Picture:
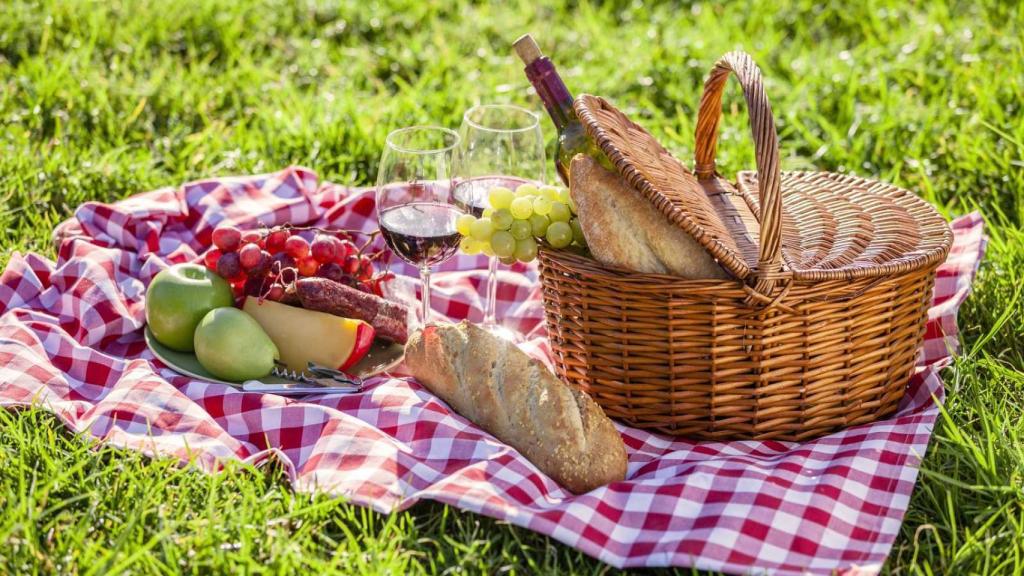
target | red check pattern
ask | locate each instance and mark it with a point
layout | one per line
(70, 341)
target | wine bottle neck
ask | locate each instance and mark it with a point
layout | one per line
(552, 91)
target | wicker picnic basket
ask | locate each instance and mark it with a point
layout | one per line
(820, 327)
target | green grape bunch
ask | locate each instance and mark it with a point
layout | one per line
(516, 221)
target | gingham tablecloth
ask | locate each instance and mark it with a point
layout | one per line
(71, 342)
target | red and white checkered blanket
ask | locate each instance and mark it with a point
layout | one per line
(71, 341)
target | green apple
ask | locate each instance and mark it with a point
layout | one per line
(232, 345)
(178, 298)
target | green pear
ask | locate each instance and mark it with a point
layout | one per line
(232, 345)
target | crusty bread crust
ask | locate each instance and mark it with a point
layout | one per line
(501, 389)
(623, 229)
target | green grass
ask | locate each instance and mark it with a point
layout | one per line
(99, 100)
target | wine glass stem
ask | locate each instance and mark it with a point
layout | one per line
(425, 297)
(492, 292)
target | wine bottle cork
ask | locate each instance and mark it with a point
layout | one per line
(527, 49)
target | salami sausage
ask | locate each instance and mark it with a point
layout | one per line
(389, 319)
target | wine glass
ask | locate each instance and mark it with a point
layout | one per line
(414, 202)
(501, 146)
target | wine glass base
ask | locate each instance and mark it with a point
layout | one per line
(502, 332)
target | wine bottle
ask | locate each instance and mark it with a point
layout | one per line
(572, 137)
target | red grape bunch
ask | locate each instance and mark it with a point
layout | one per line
(265, 262)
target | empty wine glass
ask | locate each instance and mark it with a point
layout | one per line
(501, 146)
(414, 201)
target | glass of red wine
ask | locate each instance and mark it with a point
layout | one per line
(501, 146)
(415, 207)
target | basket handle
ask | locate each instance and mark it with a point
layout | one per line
(766, 147)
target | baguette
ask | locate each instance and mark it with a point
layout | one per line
(499, 388)
(623, 229)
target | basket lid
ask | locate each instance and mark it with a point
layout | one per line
(773, 226)
(842, 227)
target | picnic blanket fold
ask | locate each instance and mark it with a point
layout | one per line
(71, 343)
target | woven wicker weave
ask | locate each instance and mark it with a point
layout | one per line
(819, 329)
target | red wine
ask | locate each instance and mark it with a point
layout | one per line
(421, 233)
(471, 195)
(572, 137)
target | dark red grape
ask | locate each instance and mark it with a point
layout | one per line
(351, 265)
(251, 237)
(324, 248)
(238, 288)
(263, 266)
(229, 267)
(249, 256)
(297, 247)
(288, 276)
(365, 268)
(308, 266)
(276, 240)
(331, 271)
(211, 257)
(281, 261)
(345, 249)
(254, 286)
(226, 237)
(275, 292)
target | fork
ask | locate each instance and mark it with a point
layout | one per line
(321, 380)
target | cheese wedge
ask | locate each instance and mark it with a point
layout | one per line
(304, 336)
